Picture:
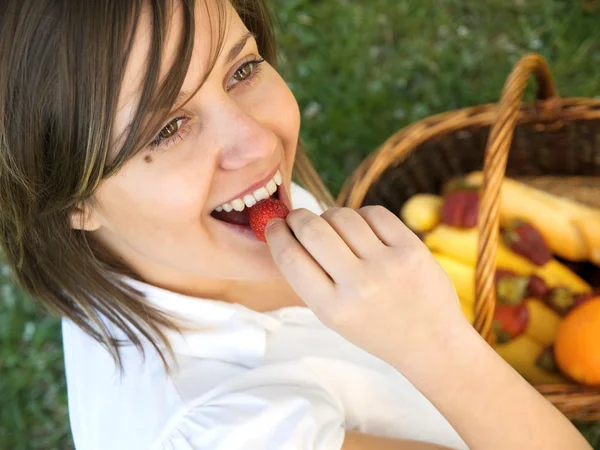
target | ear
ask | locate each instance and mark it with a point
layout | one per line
(84, 218)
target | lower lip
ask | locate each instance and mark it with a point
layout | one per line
(240, 229)
(246, 230)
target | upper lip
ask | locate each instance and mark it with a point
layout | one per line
(253, 187)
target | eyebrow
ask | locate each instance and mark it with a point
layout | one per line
(238, 47)
(233, 53)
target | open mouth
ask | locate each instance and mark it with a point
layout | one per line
(236, 211)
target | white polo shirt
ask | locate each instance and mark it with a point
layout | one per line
(245, 381)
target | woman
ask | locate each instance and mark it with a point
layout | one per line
(134, 137)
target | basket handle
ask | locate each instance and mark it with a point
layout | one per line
(496, 156)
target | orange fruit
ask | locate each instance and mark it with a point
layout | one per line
(577, 346)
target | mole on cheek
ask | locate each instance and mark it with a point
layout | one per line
(148, 159)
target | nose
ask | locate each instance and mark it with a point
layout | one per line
(245, 139)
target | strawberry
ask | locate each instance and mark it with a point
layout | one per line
(460, 208)
(510, 321)
(524, 239)
(261, 213)
(537, 287)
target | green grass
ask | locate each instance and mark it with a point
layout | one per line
(360, 70)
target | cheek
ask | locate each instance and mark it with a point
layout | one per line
(281, 107)
(137, 200)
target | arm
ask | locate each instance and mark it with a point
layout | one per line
(355, 268)
(486, 401)
(359, 441)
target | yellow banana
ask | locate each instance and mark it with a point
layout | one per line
(461, 275)
(543, 322)
(422, 212)
(462, 245)
(463, 280)
(521, 353)
(556, 274)
(540, 208)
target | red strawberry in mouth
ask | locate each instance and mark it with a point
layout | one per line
(238, 217)
(264, 211)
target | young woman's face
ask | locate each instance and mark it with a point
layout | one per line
(231, 143)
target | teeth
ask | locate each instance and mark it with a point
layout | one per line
(238, 204)
(271, 187)
(249, 201)
(261, 194)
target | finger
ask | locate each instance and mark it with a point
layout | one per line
(296, 265)
(354, 230)
(323, 244)
(388, 228)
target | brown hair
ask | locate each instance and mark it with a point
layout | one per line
(63, 64)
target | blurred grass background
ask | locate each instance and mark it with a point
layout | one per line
(360, 69)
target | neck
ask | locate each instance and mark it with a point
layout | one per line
(261, 296)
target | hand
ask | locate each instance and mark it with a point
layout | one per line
(368, 277)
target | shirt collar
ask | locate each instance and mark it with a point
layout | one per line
(220, 330)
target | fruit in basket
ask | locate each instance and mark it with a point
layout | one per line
(461, 275)
(463, 280)
(580, 299)
(525, 240)
(511, 290)
(547, 361)
(460, 208)
(510, 321)
(561, 300)
(536, 293)
(589, 231)
(537, 287)
(524, 353)
(543, 322)
(577, 346)
(462, 246)
(556, 274)
(570, 229)
(422, 212)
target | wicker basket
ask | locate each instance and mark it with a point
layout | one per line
(548, 137)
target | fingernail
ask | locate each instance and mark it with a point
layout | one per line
(271, 223)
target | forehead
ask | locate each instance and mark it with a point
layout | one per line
(208, 25)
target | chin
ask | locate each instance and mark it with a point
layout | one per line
(257, 269)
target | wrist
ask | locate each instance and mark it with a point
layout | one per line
(437, 351)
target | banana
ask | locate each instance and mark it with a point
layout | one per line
(461, 275)
(543, 322)
(422, 212)
(462, 245)
(556, 274)
(555, 217)
(521, 353)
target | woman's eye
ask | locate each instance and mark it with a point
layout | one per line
(169, 133)
(246, 73)
(169, 130)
